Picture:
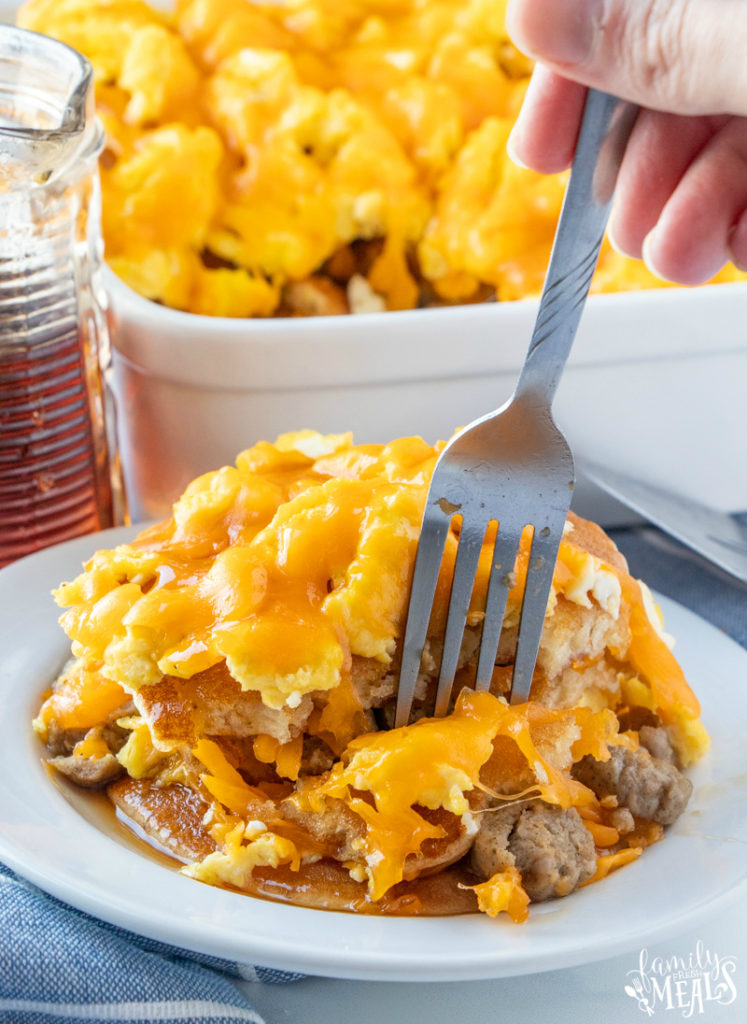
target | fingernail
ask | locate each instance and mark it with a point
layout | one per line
(647, 253)
(511, 150)
(614, 242)
(612, 236)
(561, 31)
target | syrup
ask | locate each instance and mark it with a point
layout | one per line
(53, 483)
(55, 469)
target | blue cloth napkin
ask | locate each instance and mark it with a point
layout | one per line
(59, 966)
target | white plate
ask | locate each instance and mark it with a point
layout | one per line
(81, 859)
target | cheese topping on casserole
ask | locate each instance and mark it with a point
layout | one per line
(266, 158)
(287, 565)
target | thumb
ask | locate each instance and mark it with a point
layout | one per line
(682, 56)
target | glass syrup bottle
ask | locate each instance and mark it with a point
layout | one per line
(58, 470)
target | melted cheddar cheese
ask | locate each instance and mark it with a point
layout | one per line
(307, 127)
(503, 891)
(435, 762)
(82, 699)
(286, 568)
(283, 566)
(290, 563)
(387, 778)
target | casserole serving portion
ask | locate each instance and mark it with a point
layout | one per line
(234, 672)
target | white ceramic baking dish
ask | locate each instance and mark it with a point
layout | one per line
(656, 385)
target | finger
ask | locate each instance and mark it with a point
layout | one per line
(545, 133)
(660, 149)
(684, 56)
(692, 239)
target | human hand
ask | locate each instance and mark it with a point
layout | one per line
(681, 199)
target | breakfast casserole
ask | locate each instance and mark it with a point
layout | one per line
(316, 156)
(234, 674)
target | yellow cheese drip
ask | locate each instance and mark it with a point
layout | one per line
(384, 776)
(284, 566)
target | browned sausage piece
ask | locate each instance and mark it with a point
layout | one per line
(649, 787)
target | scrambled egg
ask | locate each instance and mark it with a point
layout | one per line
(294, 561)
(252, 146)
(284, 566)
(234, 864)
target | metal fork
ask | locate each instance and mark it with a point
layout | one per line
(513, 467)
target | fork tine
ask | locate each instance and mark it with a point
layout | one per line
(504, 559)
(433, 534)
(468, 554)
(540, 570)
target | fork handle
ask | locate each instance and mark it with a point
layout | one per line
(605, 129)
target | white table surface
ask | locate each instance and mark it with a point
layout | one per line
(593, 994)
